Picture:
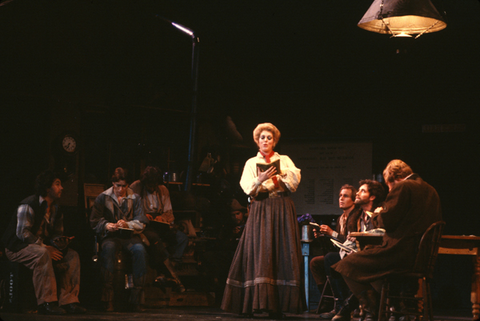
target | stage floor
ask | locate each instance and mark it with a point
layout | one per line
(191, 313)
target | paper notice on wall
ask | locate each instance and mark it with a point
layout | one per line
(325, 167)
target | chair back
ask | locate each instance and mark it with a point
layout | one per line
(428, 249)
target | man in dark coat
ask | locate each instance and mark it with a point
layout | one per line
(411, 207)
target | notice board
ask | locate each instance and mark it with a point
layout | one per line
(325, 167)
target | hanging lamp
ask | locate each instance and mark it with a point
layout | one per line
(402, 18)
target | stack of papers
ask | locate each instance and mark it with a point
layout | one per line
(343, 247)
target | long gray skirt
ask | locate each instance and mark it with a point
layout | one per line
(266, 271)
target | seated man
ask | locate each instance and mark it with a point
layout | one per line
(35, 239)
(369, 196)
(115, 211)
(217, 260)
(158, 208)
(410, 208)
(345, 223)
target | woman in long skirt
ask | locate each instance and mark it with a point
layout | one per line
(266, 271)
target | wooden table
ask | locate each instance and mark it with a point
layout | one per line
(466, 245)
(365, 238)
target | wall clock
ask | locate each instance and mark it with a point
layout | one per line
(69, 144)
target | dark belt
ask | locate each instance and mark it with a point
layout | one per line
(262, 196)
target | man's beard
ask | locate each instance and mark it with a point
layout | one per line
(359, 201)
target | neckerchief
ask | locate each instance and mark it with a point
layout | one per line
(363, 222)
(267, 158)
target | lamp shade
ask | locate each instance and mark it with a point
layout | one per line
(402, 17)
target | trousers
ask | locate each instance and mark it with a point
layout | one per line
(46, 272)
(109, 248)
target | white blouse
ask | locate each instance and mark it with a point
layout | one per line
(288, 180)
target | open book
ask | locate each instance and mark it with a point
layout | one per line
(318, 229)
(345, 247)
(264, 167)
(160, 227)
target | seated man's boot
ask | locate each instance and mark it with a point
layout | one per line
(177, 284)
(326, 306)
(74, 308)
(50, 308)
(136, 298)
(370, 317)
(350, 304)
(369, 300)
(160, 282)
(330, 314)
(107, 290)
(344, 314)
(276, 315)
(108, 306)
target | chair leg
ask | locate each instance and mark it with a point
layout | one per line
(428, 300)
(422, 301)
(324, 295)
(383, 306)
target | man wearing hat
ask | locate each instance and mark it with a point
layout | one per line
(217, 261)
(239, 216)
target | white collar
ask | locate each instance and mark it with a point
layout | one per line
(129, 194)
(407, 177)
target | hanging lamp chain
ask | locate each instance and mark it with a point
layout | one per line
(381, 17)
(424, 31)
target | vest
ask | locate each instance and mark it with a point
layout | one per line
(10, 239)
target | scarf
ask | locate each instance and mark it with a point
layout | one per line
(267, 158)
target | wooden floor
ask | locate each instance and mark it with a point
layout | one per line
(194, 304)
(189, 313)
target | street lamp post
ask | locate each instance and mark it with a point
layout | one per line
(193, 112)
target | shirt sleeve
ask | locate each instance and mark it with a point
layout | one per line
(167, 214)
(25, 219)
(139, 218)
(249, 181)
(290, 173)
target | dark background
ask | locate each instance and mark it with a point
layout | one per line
(118, 77)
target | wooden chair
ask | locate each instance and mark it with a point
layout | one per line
(90, 192)
(422, 273)
(327, 293)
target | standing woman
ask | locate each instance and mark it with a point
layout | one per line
(266, 271)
